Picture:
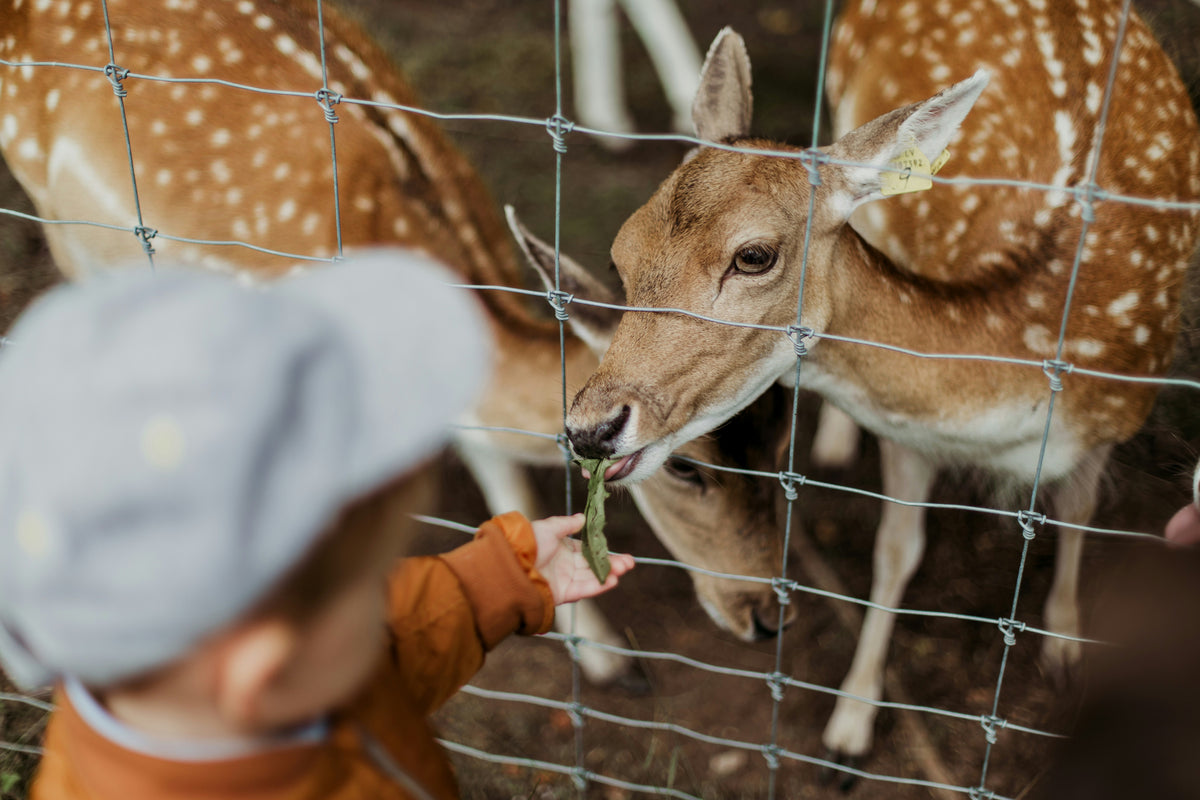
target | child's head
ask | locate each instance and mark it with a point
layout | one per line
(184, 462)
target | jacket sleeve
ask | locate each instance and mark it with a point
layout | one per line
(446, 612)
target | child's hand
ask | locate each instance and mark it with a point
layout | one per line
(562, 565)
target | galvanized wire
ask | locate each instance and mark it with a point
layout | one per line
(558, 126)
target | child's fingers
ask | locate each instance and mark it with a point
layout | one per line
(621, 563)
(561, 527)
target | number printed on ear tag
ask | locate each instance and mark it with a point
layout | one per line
(914, 172)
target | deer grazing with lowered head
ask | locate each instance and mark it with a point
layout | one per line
(216, 163)
(958, 269)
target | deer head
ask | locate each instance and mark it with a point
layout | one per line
(724, 236)
(716, 520)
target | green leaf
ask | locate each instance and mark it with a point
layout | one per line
(8, 782)
(595, 544)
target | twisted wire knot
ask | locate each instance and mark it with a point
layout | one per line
(1010, 628)
(980, 793)
(115, 75)
(558, 301)
(799, 336)
(575, 712)
(572, 643)
(145, 235)
(1086, 197)
(771, 754)
(558, 127)
(1054, 369)
(789, 481)
(812, 160)
(783, 590)
(990, 724)
(776, 681)
(1027, 520)
(579, 778)
(564, 444)
(327, 98)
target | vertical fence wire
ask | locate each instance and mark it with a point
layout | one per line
(558, 127)
(116, 75)
(327, 99)
(791, 495)
(1054, 374)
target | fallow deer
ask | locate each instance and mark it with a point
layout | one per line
(719, 520)
(218, 163)
(960, 270)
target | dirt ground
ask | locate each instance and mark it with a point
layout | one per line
(497, 56)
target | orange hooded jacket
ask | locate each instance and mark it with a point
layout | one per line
(446, 613)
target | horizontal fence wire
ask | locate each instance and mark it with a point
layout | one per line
(1054, 369)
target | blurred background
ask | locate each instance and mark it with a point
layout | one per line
(492, 56)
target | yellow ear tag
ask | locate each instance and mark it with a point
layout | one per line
(915, 175)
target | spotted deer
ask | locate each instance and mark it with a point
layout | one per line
(214, 162)
(959, 269)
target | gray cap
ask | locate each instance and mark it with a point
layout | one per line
(171, 443)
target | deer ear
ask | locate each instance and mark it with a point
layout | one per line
(723, 104)
(593, 324)
(928, 126)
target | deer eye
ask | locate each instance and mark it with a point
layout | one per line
(754, 259)
(683, 470)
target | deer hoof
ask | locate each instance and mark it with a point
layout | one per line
(1060, 657)
(845, 780)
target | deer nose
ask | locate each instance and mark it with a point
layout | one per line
(763, 630)
(598, 441)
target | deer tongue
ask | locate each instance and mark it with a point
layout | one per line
(622, 467)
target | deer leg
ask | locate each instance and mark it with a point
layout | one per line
(505, 487)
(835, 443)
(1074, 501)
(899, 545)
(673, 52)
(596, 53)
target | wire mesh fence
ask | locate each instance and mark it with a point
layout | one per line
(768, 744)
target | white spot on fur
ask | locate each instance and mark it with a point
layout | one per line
(308, 225)
(8, 129)
(29, 149)
(1088, 348)
(1119, 309)
(1038, 340)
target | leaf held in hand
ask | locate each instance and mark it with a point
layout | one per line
(595, 544)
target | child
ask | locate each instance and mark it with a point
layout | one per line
(204, 489)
